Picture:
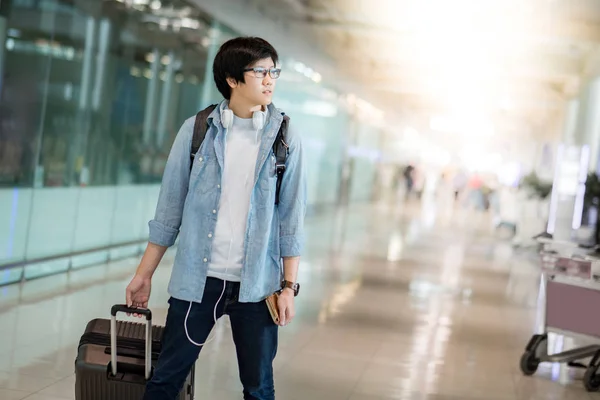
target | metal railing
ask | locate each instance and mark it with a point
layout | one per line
(27, 262)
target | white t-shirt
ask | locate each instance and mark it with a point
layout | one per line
(241, 152)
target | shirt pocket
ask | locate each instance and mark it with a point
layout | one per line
(204, 174)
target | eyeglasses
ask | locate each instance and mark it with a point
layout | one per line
(260, 72)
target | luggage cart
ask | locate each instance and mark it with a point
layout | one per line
(570, 285)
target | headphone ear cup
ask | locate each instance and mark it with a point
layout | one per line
(227, 119)
(258, 119)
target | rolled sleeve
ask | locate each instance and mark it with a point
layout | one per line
(164, 228)
(291, 246)
(161, 234)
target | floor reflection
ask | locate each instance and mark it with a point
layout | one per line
(399, 301)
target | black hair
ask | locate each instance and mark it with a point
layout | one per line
(237, 54)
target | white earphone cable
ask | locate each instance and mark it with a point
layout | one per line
(227, 122)
(214, 317)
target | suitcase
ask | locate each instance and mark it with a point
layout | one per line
(101, 373)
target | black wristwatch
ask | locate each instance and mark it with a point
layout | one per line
(291, 285)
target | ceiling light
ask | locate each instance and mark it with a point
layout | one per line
(189, 23)
(443, 124)
(299, 67)
(411, 135)
(164, 24)
(185, 12)
(176, 24)
(150, 57)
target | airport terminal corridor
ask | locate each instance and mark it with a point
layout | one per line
(433, 146)
(398, 301)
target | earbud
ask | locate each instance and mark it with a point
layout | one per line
(258, 119)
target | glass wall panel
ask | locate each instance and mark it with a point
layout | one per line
(92, 94)
(94, 91)
(317, 115)
(365, 155)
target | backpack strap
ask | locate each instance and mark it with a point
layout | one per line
(281, 151)
(200, 128)
(280, 147)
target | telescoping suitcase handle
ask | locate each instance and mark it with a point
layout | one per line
(117, 308)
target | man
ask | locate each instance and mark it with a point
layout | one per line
(232, 234)
(409, 173)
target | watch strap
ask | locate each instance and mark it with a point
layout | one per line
(291, 285)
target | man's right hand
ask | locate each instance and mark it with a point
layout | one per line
(138, 292)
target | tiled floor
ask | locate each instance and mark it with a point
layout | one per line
(396, 303)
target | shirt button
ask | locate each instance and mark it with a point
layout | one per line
(214, 211)
(205, 260)
(218, 186)
(200, 159)
(210, 235)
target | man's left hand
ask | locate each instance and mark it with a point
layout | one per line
(286, 307)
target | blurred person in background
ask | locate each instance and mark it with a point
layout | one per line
(409, 180)
(419, 180)
(476, 196)
(459, 183)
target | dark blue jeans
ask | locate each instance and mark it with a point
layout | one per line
(254, 335)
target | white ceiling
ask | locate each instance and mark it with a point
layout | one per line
(521, 58)
(424, 53)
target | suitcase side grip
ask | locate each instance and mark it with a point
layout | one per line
(117, 308)
(133, 353)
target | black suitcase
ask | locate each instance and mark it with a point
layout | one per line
(136, 355)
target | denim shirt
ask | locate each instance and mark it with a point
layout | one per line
(188, 207)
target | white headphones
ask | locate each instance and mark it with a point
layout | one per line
(258, 119)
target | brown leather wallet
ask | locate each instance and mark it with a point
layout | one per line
(273, 307)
